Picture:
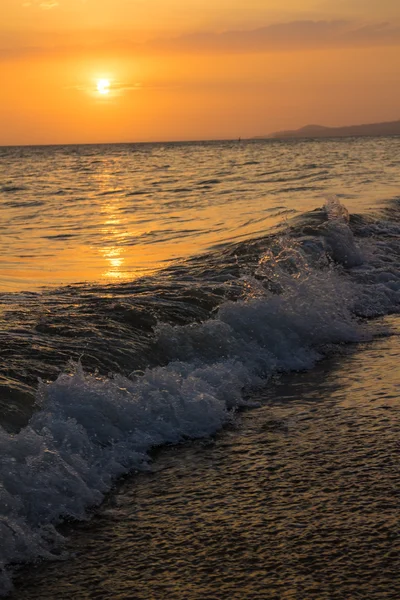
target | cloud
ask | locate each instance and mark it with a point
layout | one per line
(44, 5)
(118, 88)
(278, 37)
(48, 5)
(287, 36)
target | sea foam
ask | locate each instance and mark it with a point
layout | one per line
(88, 430)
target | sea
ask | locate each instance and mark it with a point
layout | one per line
(180, 322)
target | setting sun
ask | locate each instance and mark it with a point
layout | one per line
(103, 86)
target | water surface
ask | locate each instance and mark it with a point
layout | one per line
(148, 292)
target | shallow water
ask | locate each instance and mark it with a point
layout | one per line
(261, 277)
(298, 499)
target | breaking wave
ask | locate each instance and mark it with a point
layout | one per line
(305, 291)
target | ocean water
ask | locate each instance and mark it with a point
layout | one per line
(147, 291)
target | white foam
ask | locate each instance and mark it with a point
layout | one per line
(87, 430)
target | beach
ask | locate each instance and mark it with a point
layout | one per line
(296, 499)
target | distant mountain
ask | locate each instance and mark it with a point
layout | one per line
(318, 131)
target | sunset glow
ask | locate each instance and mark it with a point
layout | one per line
(103, 86)
(198, 70)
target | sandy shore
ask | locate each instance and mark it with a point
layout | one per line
(298, 500)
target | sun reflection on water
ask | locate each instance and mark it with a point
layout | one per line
(115, 262)
(113, 234)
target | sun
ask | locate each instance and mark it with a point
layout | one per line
(103, 86)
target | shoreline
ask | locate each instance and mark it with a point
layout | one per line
(296, 500)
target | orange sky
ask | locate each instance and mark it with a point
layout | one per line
(193, 69)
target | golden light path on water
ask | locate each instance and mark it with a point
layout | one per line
(115, 212)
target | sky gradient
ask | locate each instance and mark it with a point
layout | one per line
(180, 70)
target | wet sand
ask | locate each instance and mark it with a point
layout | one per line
(299, 499)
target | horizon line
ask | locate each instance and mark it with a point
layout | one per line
(121, 143)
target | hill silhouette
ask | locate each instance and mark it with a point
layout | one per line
(319, 131)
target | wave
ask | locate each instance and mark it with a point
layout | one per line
(10, 188)
(278, 304)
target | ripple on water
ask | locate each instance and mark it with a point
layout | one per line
(298, 500)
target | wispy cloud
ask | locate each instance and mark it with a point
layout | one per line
(115, 87)
(288, 36)
(279, 37)
(44, 5)
(118, 88)
(48, 5)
